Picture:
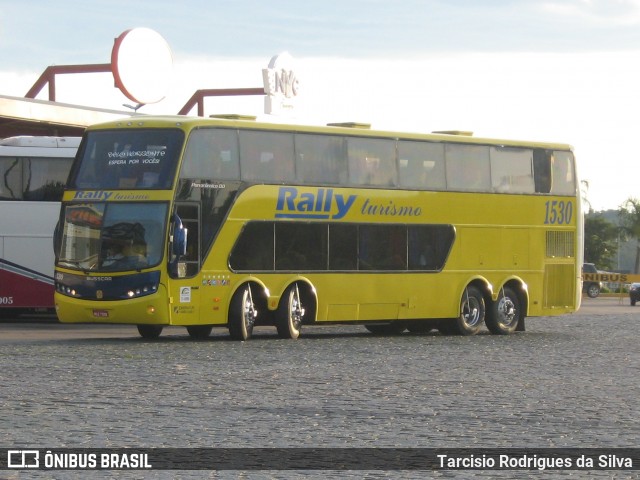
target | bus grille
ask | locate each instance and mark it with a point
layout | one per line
(561, 244)
(559, 284)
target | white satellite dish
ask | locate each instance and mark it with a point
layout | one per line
(142, 64)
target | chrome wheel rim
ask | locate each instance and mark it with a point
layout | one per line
(507, 314)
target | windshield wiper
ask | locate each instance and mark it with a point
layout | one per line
(73, 264)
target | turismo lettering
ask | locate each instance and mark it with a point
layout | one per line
(322, 204)
(389, 209)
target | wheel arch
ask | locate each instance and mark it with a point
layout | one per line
(482, 284)
(519, 286)
(308, 295)
(260, 294)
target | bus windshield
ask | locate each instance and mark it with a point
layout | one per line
(124, 159)
(112, 237)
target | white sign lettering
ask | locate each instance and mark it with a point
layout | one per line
(281, 84)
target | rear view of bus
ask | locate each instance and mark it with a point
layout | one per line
(235, 223)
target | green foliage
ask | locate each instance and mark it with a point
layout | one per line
(629, 215)
(600, 241)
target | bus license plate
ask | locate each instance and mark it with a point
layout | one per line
(101, 313)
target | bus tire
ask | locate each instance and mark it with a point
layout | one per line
(149, 331)
(504, 314)
(391, 328)
(472, 312)
(242, 314)
(199, 331)
(447, 327)
(290, 313)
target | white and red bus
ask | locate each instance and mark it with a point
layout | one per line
(33, 171)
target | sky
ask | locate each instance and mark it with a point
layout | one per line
(550, 70)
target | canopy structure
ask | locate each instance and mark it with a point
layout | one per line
(27, 116)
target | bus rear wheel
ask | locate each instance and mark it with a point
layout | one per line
(472, 312)
(149, 331)
(504, 314)
(242, 314)
(290, 313)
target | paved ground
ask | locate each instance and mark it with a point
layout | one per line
(568, 381)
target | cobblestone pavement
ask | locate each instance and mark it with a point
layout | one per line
(568, 381)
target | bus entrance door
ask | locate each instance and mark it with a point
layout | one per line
(185, 303)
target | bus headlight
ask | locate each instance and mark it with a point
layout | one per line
(66, 290)
(142, 291)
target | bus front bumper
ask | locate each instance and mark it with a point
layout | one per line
(149, 309)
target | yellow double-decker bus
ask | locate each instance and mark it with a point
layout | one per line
(204, 222)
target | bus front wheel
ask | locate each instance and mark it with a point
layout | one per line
(199, 331)
(149, 331)
(242, 314)
(472, 312)
(504, 314)
(290, 313)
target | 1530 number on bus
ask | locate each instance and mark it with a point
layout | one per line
(558, 212)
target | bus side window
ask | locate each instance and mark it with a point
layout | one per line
(429, 246)
(44, 178)
(511, 170)
(254, 249)
(563, 176)
(211, 154)
(321, 159)
(421, 165)
(372, 161)
(343, 247)
(468, 168)
(10, 178)
(382, 247)
(266, 156)
(542, 160)
(300, 246)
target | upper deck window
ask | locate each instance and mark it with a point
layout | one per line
(266, 156)
(372, 161)
(421, 165)
(211, 153)
(564, 181)
(128, 159)
(512, 170)
(468, 167)
(321, 159)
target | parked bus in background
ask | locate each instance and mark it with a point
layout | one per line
(235, 223)
(33, 171)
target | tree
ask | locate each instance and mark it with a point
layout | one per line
(600, 241)
(629, 214)
(584, 194)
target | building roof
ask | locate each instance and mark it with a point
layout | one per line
(26, 116)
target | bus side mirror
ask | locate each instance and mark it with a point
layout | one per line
(179, 237)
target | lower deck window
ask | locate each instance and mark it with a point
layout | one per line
(293, 246)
